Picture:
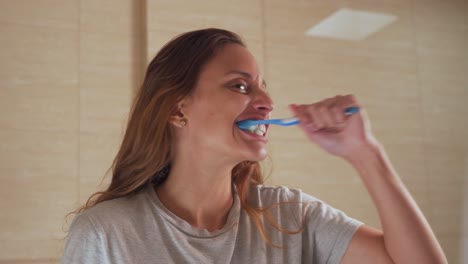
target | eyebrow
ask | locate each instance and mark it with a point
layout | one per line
(246, 75)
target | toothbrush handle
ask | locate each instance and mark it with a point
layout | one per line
(351, 110)
(286, 121)
(294, 120)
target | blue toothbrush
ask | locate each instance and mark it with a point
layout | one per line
(246, 124)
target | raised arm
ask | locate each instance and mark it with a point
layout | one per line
(406, 236)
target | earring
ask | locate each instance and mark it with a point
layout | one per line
(183, 122)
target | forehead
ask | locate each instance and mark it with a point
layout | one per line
(232, 57)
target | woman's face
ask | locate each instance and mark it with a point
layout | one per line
(230, 88)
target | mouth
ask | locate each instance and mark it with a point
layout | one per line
(258, 130)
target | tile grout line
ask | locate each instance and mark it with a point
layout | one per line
(270, 176)
(421, 104)
(139, 44)
(78, 171)
(262, 25)
(144, 41)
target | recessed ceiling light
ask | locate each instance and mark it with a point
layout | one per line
(349, 24)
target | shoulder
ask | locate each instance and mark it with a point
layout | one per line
(326, 231)
(279, 194)
(97, 229)
(115, 212)
(311, 207)
(289, 203)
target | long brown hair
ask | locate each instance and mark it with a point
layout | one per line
(144, 155)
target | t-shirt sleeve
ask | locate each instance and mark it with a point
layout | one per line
(329, 231)
(84, 244)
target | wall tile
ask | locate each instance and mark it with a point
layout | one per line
(442, 16)
(42, 166)
(39, 105)
(45, 13)
(108, 16)
(242, 15)
(107, 78)
(166, 19)
(301, 163)
(32, 54)
(446, 214)
(444, 106)
(452, 251)
(444, 165)
(97, 152)
(106, 53)
(105, 105)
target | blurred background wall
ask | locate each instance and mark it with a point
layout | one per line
(69, 69)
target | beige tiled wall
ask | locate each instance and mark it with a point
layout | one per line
(107, 79)
(167, 18)
(67, 73)
(68, 70)
(38, 125)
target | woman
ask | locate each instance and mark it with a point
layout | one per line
(187, 185)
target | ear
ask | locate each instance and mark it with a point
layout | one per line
(177, 116)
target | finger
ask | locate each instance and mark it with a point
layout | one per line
(307, 119)
(336, 111)
(313, 111)
(303, 114)
(326, 113)
(300, 114)
(334, 116)
(337, 114)
(348, 101)
(342, 103)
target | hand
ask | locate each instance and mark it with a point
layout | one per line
(326, 124)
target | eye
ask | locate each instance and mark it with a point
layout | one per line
(240, 87)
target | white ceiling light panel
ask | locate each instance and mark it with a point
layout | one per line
(349, 24)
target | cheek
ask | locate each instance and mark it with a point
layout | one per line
(217, 110)
(218, 113)
(227, 108)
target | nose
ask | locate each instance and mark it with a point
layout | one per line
(262, 101)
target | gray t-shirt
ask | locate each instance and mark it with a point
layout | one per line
(139, 229)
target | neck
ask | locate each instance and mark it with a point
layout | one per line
(200, 193)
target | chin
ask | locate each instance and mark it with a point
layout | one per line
(258, 155)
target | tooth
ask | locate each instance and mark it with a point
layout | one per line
(262, 128)
(253, 128)
(259, 132)
(257, 129)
